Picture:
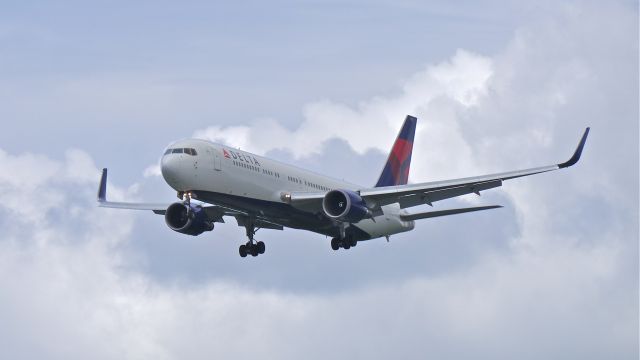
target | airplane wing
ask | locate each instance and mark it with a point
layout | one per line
(103, 202)
(214, 212)
(430, 192)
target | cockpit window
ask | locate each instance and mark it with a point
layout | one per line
(189, 151)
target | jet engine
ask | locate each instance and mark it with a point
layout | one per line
(187, 219)
(345, 205)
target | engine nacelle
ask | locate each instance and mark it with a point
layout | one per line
(345, 205)
(187, 219)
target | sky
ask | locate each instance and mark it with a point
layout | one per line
(324, 85)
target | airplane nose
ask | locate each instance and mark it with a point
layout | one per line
(169, 166)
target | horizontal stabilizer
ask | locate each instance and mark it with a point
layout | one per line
(431, 214)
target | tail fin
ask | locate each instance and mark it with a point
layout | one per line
(396, 170)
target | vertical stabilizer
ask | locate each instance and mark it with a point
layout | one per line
(396, 170)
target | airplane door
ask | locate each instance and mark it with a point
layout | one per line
(217, 162)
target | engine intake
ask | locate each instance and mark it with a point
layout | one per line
(345, 205)
(187, 219)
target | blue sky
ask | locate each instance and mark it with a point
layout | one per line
(198, 63)
(324, 85)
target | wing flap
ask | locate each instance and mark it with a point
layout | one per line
(432, 214)
(429, 197)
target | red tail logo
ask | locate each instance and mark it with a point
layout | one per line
(396, 170)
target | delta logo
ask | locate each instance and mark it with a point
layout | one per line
(235, 155)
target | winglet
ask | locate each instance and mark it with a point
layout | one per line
(576, 155)
(102, 190)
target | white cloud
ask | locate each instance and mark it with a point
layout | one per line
(152, 170)
(373, 123)
(66, 299)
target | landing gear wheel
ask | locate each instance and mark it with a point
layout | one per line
(252, 247)
(346, 246)
(335, 244)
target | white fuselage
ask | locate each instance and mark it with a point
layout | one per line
(234, 178)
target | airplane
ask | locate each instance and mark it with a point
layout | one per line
(214, 181)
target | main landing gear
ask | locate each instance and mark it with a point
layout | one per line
(346, 243)
(252, 247)
(343, 240)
